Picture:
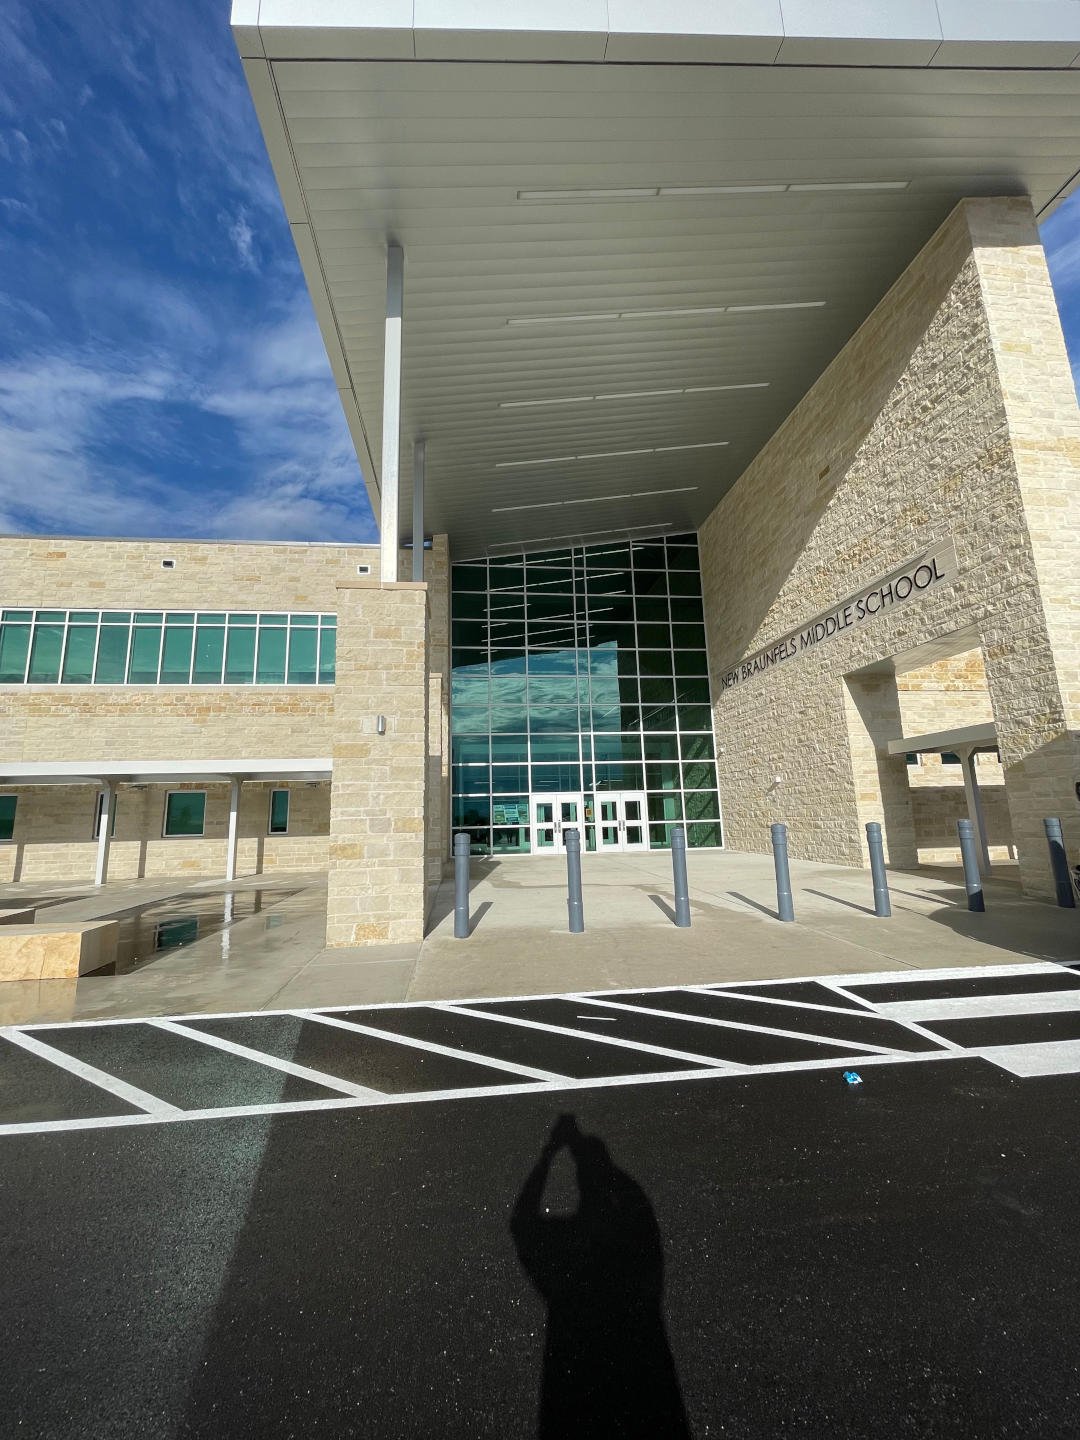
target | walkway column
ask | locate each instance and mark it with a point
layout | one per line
(419, 454)
(974, 806)
(389, 525)
(234, 828)
(104, 838)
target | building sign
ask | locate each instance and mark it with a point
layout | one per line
(925, 572)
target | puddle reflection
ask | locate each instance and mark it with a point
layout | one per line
(147, 932)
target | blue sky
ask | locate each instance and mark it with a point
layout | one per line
(160, 368)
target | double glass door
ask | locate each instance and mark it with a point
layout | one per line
(616, 820)
(621, 821)
(551, 815)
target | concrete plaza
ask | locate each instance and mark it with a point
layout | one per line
(270, 954)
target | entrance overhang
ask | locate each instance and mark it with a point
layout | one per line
(633, 235)
(161, 772)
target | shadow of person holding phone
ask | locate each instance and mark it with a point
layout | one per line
(608, 1368)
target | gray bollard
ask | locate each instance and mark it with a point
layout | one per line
(682, 884)
(461, 885)
(877, 869)
(1059, 864)
(575, 909)
(970, 856)
(785, 908)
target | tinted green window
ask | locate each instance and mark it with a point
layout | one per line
(209, 655)
(240, 657)
(698, 835)
(327, 654)
(79, 655)
(176, 655)
(698, 777)
(702, 805)
(7, 816)
(185, 812)
(697, 747)
(45, 654)
(14, 648)
(83, 617)
(112, 655)
(145, 653)
(303, 656)
(270, 669)
(304, 619)
(279, 812)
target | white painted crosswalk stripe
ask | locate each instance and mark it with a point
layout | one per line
(774, 1019)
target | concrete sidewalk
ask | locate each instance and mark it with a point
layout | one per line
(519, 943)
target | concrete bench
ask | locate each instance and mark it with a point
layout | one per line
(56, 952)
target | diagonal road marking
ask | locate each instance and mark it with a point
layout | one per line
(639, 1045)
(273, 1062)
(152, 1104)
(510, 1066)
(858, 1046)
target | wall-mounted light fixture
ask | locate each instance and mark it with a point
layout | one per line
(380, 725)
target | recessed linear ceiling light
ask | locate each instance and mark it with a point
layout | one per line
(658, 314)
(515, 545)
(592, 500)
(688, 192)
(631, 395)
(610, 454)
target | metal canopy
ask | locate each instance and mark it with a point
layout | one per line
(975, 737)
(159, 772)
(553, 403)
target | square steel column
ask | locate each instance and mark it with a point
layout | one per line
(389, 520)
(419, 454)
(104, 837)
(234, 829)
(974, 807)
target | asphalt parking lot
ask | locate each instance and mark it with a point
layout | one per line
(727, 1237)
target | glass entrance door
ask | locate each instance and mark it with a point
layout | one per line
(621, 821)
(551, 815)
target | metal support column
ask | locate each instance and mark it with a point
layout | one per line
(419, 454)
(974, 808)
(389, 524)
(104, 837)
(234, 829)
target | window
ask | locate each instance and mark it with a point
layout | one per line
(154, 647)
(949, 758)
(98, 805)
(911, 758)
(279, 812)
(185, 812)
(7, 816)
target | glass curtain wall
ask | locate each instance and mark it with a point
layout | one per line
(582, 671)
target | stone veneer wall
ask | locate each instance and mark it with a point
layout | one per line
(53, 825)
(378, 822)
(54, 833)
(951, 413)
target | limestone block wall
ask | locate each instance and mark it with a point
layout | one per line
(54, 833)
(950, 415)
(47, 571)
(437, 848)
(377, 890)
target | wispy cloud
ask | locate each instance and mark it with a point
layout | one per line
(160, 367)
